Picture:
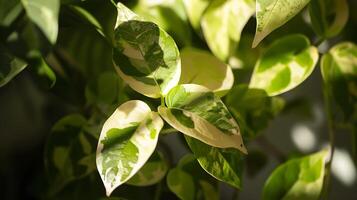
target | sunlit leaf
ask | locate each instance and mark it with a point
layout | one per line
(146, 57)
(194, 10)
(300, 178)
(271, 14)
(44, 13)
(70, 152)
(286, 64)
(202, 68)
(127, 140)
(222, 24)
(189, 182)
(339, 71)
(152, 172)
(197, 112)
(224, 164)
(321, 12)
(169, 15)
(9, 67)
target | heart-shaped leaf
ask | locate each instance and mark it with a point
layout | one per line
(271, 14)
(286, 64)
(202, 68)
(300, 178)
(195, 111)
(146, 57)
(127, 140)
(222, 24)
(195, 10)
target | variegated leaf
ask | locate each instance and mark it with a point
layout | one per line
(127, 140)
(271, 14)
(286, 64)
(339, 71)
(146, 57)
(44, 13)
(223, 164)
(195, 111)
(300, 178)
(195, 10)
(320, 13)
(202, 68)
(152, 172)
(222, 24)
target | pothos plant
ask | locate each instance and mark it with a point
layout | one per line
(181, 89)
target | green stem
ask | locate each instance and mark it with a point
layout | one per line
(331, 135)
(319, 41)
(168, 131)
(162, 101)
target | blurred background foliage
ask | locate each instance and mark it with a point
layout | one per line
(69, 85)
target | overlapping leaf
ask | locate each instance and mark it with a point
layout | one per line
(271, 14)
(188, 181)
(300, 178)
(169, 15)
(339, 71)
(321, 12)
(197, 112)
(152, 172)
(286, 64)
(146, 57)
(127, 140)
(9, 10)
(222, 24)
(223, 164)
(70, 152)
(202, 68)
(195, 10)
(44, 13)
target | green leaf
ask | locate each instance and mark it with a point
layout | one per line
(169, 15)
(195, 10)
(221, 28)
(300, 178)
(339, 71)
(128, 138)
(152, 172)
(99, 14)
(197, 112)
(202, 68)
(44, 13)
(188, 181)
(271, 14)
(10, 66)
(223, 164)
(255, 108)
(286, 64)
(44, 71)
(320, 13)
(70, 152)
(146, 57)
(9, 11)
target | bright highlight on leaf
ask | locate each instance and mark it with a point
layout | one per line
(127, 140)
(300, 178)
(195, 10)
(271, 14)
(222, 24)
(286, 64)
(202, 68)
(197, 112)
(146, 57)
(44, 13)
